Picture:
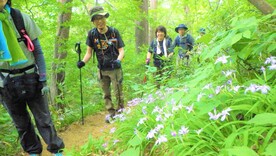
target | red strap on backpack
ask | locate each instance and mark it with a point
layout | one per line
(29, 42)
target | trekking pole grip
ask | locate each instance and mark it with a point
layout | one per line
(78, 49)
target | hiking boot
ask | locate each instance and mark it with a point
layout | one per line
(109, 118)
(57, 154)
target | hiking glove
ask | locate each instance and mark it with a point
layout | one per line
(45, 89)
(117, 64)
(80, 64)
(147, 61)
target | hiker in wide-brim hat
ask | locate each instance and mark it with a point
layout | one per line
(184, 42)
(98, 11)
(183, 26)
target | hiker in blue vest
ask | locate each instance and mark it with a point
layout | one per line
(23, 81)
(107, 44)
(184, 42)
(161, 51)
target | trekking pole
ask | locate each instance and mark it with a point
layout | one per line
(78, 50)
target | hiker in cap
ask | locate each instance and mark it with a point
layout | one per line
(107, 44)
(201, 32)
(23, 81)
(160, 50)
(184, 42)
(199, 46)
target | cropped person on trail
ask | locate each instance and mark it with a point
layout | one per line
(201, 32)
(161, 51)
(184, 42)
(199, 45)
(108, 45)
(23, 81)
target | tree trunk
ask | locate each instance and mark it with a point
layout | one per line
(141, 30)
(60, 54)
(263, 6)
(153, 6)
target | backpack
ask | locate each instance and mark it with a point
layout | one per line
(20, 26)
(114, 51)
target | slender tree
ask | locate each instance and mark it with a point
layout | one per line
(153, 6)
(60, 53)
(141, 30)
(263, 6)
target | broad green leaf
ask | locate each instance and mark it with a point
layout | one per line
(236, 38)
(271, 149)
(245, 52)
(246, 24)
(131, 151)
(213, 52)
(271, 47)
(205, 108)
(263, 119)
(230, 140)
(242, 44)
(269, 136)
(240, 151)
(247, 34)
(205, 39)
(135, 141)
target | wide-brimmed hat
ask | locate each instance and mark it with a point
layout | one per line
(181, 26)
(98, 10)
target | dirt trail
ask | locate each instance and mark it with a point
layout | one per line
(77, 134)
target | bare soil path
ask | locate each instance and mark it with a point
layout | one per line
(76, 134)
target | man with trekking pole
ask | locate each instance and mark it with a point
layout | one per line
(107, 44)
(23, 84)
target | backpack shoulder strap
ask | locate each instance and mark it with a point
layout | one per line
(169, 41)
(113, 34)
(20, 26)
(95, 36)
(18, 21)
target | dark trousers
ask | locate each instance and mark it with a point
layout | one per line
(38, 105)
